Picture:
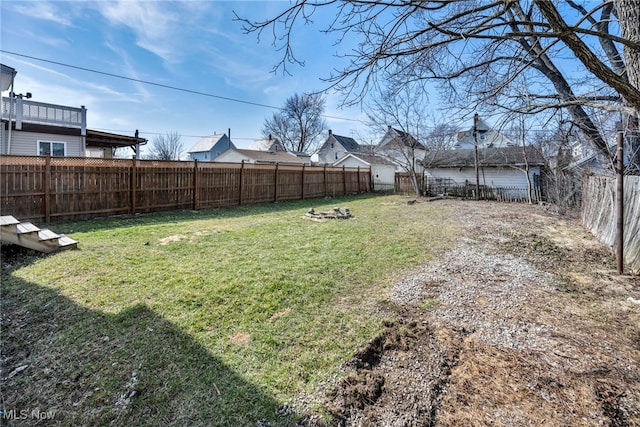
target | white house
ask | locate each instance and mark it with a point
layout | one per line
(269, 144)
(403, 149)
(210, 147)
(486, 136)
(383, 171)
(344, 151)
(336, 147)
(236, 155)
(31, 128)
(498, 167)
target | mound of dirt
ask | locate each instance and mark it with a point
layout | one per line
(396, 380)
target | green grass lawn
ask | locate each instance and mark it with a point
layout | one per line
(212, 317)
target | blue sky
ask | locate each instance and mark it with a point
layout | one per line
(194, 45)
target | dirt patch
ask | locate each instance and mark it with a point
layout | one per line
(523, 323)
(172, 239)
(280, 314)
(398, 379)
(240, 338)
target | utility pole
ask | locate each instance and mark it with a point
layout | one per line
(475, 148)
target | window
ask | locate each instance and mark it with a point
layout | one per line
(53, 148)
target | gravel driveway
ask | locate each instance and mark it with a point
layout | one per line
(523, 323)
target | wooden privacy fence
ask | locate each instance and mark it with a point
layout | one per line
(60, 188)
(599, 214)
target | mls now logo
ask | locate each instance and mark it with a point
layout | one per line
(25, 414)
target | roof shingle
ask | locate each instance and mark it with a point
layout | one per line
(497, 156)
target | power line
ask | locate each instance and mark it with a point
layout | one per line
(143, 132)
(165, 86)
(104, 73)
(191, 91)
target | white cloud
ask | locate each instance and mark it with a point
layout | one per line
(156, 27)
(45, 10)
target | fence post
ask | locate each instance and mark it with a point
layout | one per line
(275, 183)
(344, 180)
(358, 179)
(326, 183)
(134, 182)
(47, 188)
(241, 182)
(196, 185)
(302, 184)
(620, 205)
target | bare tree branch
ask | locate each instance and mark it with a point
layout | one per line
(477, 50)
(299, 123)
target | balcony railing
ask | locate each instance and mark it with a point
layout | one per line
(22, 111)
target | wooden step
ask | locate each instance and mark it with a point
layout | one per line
(48, 239)
(46, 234)
(8, 220)
(65, 242)
(31, 236)
(27, 227)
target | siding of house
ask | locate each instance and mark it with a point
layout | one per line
(351, 162)
(209, 155)
(382, 176)
(201, 156)
(487, 137)
(394, 147)
(329, 154)
(492, 177)
(26, 143)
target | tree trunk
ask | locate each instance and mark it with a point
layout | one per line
(629, 17)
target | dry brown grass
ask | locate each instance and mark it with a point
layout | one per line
(573, 358)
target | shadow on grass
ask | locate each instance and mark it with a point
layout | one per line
(190, 215)
(78, 366)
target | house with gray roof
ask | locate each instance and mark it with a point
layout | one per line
(344, 151)
(336, 147)
(210, 147)
(403, 148)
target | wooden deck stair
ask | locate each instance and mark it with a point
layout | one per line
(30, 236)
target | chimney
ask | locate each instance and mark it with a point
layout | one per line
(229, 136)
(330, 132)
(270, 138)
